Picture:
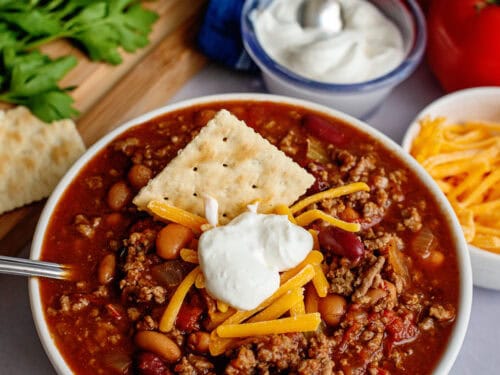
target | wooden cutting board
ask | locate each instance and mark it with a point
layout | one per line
(107, 95)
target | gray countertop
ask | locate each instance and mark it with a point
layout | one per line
(20, 348)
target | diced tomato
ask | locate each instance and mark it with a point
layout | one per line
(350, 335)
(188, 317)
(400, 329)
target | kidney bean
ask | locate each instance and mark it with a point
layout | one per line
(148, 363)
(341, 243)
(324, 130)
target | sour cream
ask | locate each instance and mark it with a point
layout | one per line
(369, 45)
(241, 261)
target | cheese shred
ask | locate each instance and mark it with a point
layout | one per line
(168, 319)
(329, 194)
(302, 323)
(177, 215)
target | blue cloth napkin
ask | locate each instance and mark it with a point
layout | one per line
(220, 35)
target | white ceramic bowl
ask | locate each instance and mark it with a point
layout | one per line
(465, 288)
(481, 103)
(358, 99)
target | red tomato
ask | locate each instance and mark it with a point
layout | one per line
(463, 48)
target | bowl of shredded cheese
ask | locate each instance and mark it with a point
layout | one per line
(457, 140)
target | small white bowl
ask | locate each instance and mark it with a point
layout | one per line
(481, 103)
(357, 99)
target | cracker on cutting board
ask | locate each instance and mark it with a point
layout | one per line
(233, 164)
(33, 156)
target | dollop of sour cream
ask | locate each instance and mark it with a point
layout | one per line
(241, 261)
(368, 46)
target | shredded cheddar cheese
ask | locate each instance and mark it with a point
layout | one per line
(464, 160)
(297, 281)
(301, 323)
(329, 194)
(280, 306)
(309, 216)
(222, 306)
(219, 345)
(298, 309)
(314, 257)
(190, 256)
(282, 209)
(177, 215)
(199, 283)
(168, 319)
(319, 281)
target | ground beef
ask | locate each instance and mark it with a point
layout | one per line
(412, 219)
(344, 159)
(138, 284)
(285, 354)
(367, 279)
(280, 352)
(442, 313)
(361, 170)
(86, 226)
(372, 210)
(73, 303)
(147, 323)
(316, 367)
(381, 240)
(288, 143)
(194, 365)
(94, 182)
(127, 145)
(341, 278)
(243, 363)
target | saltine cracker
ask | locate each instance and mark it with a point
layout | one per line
(232, 163)
(33, 156)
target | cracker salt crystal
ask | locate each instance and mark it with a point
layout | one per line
(232, 163)
(33, 156)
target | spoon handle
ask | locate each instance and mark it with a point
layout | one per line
(28, 267)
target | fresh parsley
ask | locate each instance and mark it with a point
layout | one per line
(100, 28)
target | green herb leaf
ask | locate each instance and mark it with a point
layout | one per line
(32, 79)
(51, 106)
(35, 22)
(99, 27)
(103, 27)
(29, 79)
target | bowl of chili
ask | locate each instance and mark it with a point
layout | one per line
(388, 305)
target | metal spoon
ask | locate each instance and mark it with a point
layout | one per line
(323, 14)
(28, 267)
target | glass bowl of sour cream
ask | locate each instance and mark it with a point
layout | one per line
(354, 69)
